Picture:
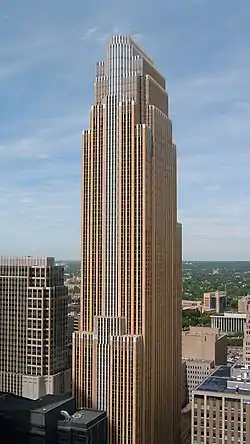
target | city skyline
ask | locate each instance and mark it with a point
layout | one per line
(46, 63)
(127, 352)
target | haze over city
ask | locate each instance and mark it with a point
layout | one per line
(46, 88)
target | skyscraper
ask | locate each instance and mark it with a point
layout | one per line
(33, 327)
(127, 355)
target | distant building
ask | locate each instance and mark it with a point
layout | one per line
(204, 343)
(242, 304)
(33, 334)
(220, 407)
(229, 322)
(85, 426)
(191, 305)
(215, 301)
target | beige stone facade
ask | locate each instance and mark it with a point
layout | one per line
(220, 407)
(33, 331)
(127, 354)
(204, 343)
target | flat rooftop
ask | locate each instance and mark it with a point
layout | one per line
(197, 361)
(84, 418)
(203, 331)
(229, 315)
(217, 382)
(10, 402)
(28, 261)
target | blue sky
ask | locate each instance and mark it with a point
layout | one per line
(47, 60)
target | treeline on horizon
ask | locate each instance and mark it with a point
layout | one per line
(196, 266)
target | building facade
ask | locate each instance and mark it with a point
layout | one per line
(246, 341)
(229, 322)
(184, 384)
(33, 327)
(242, 304)
(29, 421)
(86, 426)
(191, 305)
(215, 301)
(220, 407)
(49, 420)
(127, 354)
(197, 370)
(204, 343)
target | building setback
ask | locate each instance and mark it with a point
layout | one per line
(127, 354)
(33, 333)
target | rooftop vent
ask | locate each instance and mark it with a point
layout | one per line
(66, 415)
(76, 416)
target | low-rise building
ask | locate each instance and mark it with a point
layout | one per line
(229, 322)
(191, 305)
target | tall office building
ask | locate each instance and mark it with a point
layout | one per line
(33, 327)
(215, 301)
(127, 355)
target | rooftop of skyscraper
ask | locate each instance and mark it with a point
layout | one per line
(226, 379)
(10, 402)
(83, 418)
